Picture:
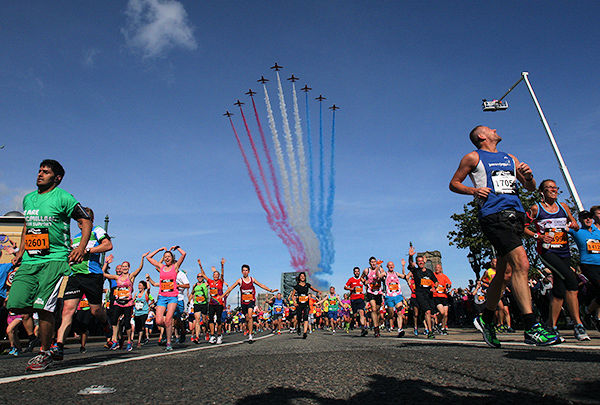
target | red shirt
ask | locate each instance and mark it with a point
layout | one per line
(443, 285)
(357, 288)
(215, 288)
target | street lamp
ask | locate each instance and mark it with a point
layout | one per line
(501, 105)
(475, 262)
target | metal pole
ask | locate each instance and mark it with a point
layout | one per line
(106, 221)
(511, 89)
(561, 162)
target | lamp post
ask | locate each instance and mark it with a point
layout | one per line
(500, 105)
(106, 221)
(475, 262)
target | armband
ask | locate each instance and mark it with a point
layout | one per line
(79, 213)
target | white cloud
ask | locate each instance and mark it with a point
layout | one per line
(155, 26)
(89, 57)
(11, 199)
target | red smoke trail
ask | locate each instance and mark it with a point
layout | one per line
(297, 262)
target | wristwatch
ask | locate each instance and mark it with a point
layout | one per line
(536, 235)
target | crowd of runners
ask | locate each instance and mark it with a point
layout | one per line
(55, 284)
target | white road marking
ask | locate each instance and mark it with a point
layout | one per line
(33, 375)
(479, 343)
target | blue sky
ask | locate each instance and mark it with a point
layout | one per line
(132, 106)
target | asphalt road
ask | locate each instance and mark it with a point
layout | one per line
(323, 369)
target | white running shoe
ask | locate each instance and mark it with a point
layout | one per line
(219, 339)
(212, 340)
(250, 338)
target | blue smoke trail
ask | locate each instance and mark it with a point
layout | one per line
(328, 237)
(321, 230)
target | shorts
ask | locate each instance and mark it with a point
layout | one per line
(302, 313)
(201, 309)
(126, 312)
(247, 306)
(37, 285)
(391, 302)
(276, 316)
(591, 272)
(357, 305)
(443, 301)
(179, 309)
(564, 279)
(332, 315)
(88, 284)
(140, 322)
(11, 318)
(215, 310)
(504, 230)
(378, 298)
(164, 301)
(82, 321)
(412, 302)
(425, 302)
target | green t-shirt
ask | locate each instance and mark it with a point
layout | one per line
(201, 293)
(48, 220)
(91, 261)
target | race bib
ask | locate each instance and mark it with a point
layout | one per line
(559, 239)
(503, 182)
(139, 305)
(278, 309)
(303, 299)
(84, 303)
(167, 285)
(213, 292)
(247, 297)
(199, 299)
(426, 282)
(37, 241)
(393, 287)
(593, 246)
(122, 293)
(358, 289)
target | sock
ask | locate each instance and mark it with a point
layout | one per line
(529, 320)
(487, 316)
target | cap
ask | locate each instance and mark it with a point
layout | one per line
(585, 214)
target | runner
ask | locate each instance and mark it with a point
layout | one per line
(167, 295)
(440, 297)
(124, 302)
(502, 220)
(333, 305)
(372, 278)
(141, 309)
(199, 296)
(180, 315)
(248, 296)
(357, 299)
(216, 303)
(149, 325)
(85, 279)
(45, 258)
(82, 321)
(425, 281)
(552, 220)
(393, 295)
(587, 239)
(300, 290)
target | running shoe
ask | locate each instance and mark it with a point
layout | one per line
(540, 336)
(426, 332)
(431, 335)
(509, 330)
(279, 332)
(145, 341)
(250, 339)
(82, 349)
(207, 337)
(57, 352)
(333, 331)
(114, 346)
(488, 331)
(129, 347)
(364, 332)
(33, 343)
(212, 340)
(416, 332)
(108, 344)
(304, 335)
(401, 333)
(219, 339)
(444, 331)
(555, 331)
(162, 342)
(298, 331)
(376, 333)
(13, 351)
(39, 362)
(168, 348)
(580, 333)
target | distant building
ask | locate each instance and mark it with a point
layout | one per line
(433, 257)
(261, 299)
(288, 281)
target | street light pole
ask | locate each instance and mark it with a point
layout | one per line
(106, 221)
(561, 163)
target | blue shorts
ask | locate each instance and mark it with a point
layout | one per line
(391, 302)
(332, 315)
(179, 310)
(164, 301)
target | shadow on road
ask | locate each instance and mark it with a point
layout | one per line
(553, 355)
(383, 389)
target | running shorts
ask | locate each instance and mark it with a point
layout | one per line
(357, 305)
(332, 315)
(590, 271)
(37, 285)
(215, 310)
(179, 310)
(276, 316)
(391, 302)
(88, 284)
(378, 298)
(425, 302)
(82, 321)
(164, 301)
(564, 279)
(140, 322)
(302, 312)
(201, 309)
(248, 306)
(126, 312)
(443, 301)
(504, 230)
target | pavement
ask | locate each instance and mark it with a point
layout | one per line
(325, 368)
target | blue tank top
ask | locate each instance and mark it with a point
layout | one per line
(496, 170)
(277, 306)
(555, 225)
(140, 305)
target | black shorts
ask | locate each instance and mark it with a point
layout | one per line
(378, 298)
(412, 303)
(126, 312)
(82, 321)
(247, 306)
(592, 273)
(302, 312)
(276, 317)
(215, 310)
(564, 279)
(425, 302)
(357, 305)
(440, 301)
(88, 284)
(201, 309)
(504, 230)
(140, 322)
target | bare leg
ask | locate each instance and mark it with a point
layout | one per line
(69, 308)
